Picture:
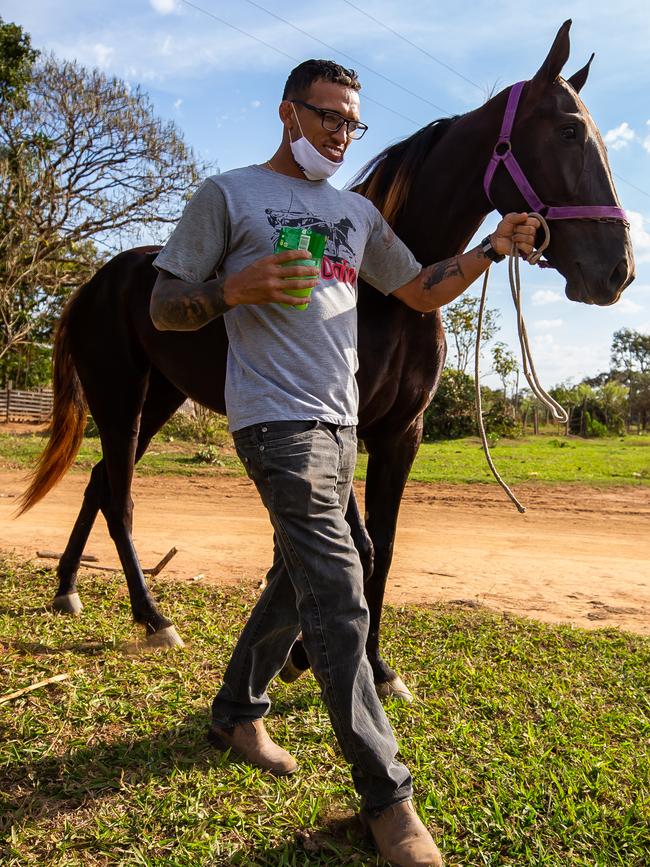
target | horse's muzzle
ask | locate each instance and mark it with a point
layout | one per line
(598, 286)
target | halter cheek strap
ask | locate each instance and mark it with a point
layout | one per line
(503, 154)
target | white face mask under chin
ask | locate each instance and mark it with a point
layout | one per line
(313, 164)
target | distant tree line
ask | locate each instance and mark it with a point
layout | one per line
(616, 401)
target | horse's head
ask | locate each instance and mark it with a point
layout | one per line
(562, 154)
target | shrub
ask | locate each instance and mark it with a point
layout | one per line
(593, 427)
(205, 427)
(208, 454)
(499, 420)
(451, 414)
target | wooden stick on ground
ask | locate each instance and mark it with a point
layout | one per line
(52, 555)
(155, 570)
(57, 678)
(160, 566)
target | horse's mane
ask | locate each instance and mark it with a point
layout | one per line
(387, 179)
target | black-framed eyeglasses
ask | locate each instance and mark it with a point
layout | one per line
(332, 121)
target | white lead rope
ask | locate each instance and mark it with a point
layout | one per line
(558, 412)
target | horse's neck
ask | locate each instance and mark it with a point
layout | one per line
(447, 203)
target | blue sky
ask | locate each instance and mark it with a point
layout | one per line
(222, 87)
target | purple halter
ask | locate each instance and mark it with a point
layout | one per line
(503, 154)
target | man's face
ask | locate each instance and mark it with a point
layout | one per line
(331, 97)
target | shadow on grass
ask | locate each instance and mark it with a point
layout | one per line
(53, 786)
(62, 783)
(338, 840)
(36, 648)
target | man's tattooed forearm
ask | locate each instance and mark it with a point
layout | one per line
(434, 274)
(191, 307)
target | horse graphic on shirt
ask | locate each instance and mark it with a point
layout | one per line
(337, 233)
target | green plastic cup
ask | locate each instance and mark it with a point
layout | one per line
(313, 243)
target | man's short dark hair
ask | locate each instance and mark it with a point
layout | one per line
(303, 76)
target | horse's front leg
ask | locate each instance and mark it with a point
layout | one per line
(390, 459)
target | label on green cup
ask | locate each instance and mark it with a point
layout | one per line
(313, 243)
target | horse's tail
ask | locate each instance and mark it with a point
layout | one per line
(68, 419)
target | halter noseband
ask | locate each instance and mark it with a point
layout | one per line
(503, 154)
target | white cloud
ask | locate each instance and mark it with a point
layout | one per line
(626, 305)
(256, 103)
(556, 360)
(639, 230)
(102, 54)
(620, 136)
(549, 323)
(164, 7)
(178, 103)
(545, 296)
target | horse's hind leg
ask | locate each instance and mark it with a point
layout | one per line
(67, 598)
(119, 427)
(161, 401)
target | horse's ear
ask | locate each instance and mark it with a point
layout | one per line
(578, 78)
(557, 57)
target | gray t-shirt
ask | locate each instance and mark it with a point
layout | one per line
(286, 364)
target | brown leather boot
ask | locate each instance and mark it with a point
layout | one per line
(401, 838)
(250, 741)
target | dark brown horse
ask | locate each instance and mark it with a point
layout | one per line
(109, 356)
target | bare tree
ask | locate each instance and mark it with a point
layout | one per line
(461, 322)
(84, 164)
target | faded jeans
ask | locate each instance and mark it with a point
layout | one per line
(303, 471)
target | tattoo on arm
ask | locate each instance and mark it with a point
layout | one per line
(434, 274)
(184, 306)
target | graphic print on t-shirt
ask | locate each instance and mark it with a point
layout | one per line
(335, 265)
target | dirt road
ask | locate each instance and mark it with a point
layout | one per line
(579, 555)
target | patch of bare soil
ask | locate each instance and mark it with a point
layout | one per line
(579, 555)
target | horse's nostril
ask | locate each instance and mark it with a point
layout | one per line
(619, 277)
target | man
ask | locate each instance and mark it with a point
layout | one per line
(292, 402)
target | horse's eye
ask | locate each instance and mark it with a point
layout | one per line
(568, 132)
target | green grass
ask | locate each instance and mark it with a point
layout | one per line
(20, 451)
(528, 744)
(546, 458)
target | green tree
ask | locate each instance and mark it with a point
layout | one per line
(504, 364)
(16, 59)
(631, 363)
(612, 399)
(631, 351)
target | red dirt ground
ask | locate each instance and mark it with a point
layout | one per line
(579, 555)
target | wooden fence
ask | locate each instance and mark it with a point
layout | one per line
(25, 405)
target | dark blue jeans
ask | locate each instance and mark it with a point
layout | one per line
(303, 471)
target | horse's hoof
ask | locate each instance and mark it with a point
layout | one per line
(396, 688)
(164, 638)
(69, 603)
(290, 671)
